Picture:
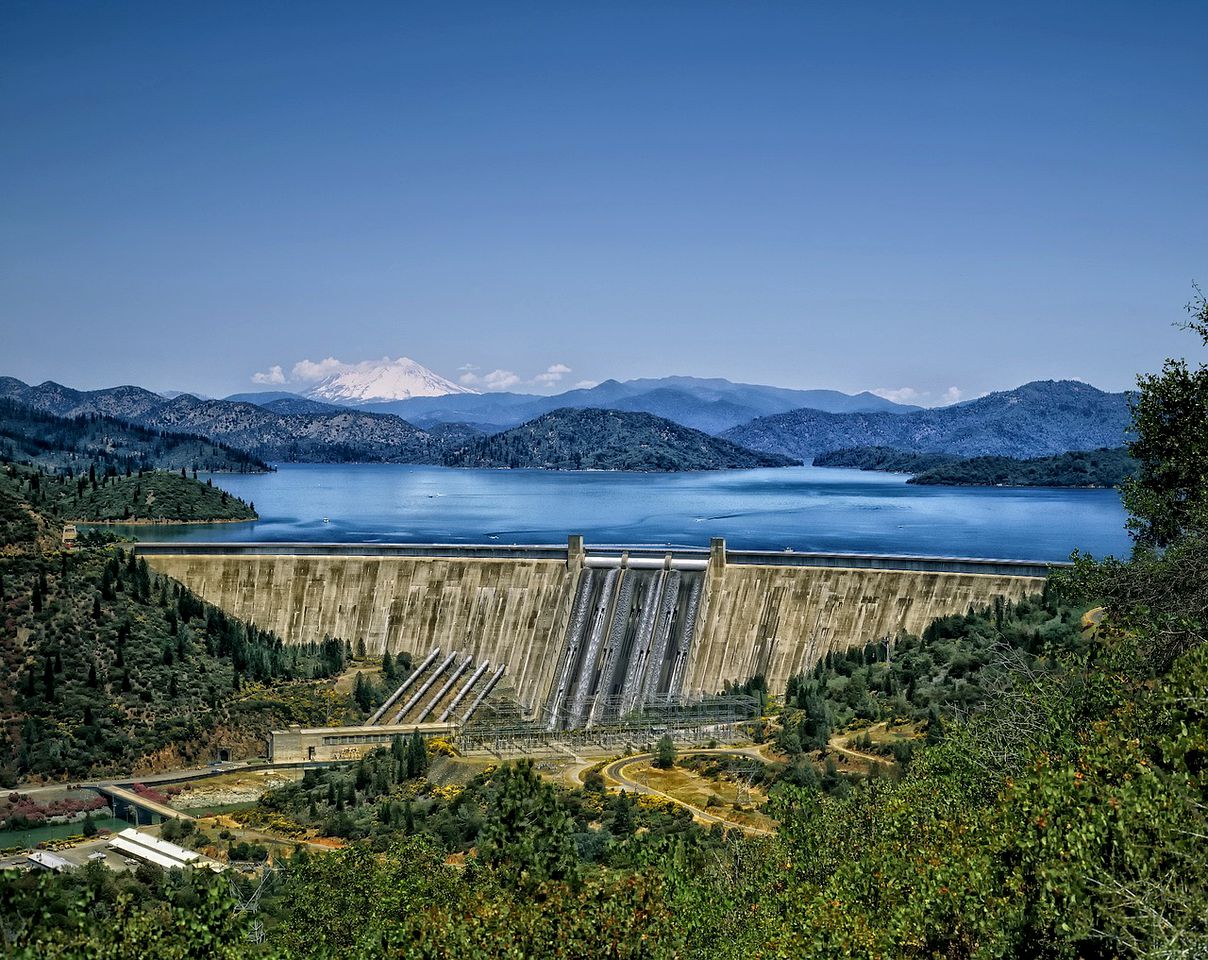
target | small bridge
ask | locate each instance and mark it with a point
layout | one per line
(124, 800)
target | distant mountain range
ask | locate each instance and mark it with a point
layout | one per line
(333, 435)
(711, 405)
(342, 434)
(575, 439)
(1038, 419)
(29, 435)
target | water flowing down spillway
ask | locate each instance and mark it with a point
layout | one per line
(628, 637)
(570, 653)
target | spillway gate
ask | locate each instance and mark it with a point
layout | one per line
(630, 632)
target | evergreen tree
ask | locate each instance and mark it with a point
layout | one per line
(417, 756)
(48, 680)
(665, 754)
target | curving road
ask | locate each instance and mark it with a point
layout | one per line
(615, 771)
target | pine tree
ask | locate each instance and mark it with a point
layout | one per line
(48, 680)
(665, 754)
(417, 756)
(935, 726)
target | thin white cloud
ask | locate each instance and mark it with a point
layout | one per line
(586, 384)
(901, 394)
(309, 370)
(496, 380)
(921, 398)
(274, 375)
(553, 374)
(500, 380)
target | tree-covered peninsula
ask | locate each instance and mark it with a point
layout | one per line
(1106, 467)
(590, 439)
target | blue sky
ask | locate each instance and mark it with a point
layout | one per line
(864, 195)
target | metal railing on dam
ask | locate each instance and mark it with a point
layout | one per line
(610, 552)
(304, 549)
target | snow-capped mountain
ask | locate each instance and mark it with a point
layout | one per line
(373, 381)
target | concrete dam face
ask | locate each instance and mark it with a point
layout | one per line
(583, 636)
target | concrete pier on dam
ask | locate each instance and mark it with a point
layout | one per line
(581, 635)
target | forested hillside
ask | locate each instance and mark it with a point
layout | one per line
(1108, 467)
(885, 459)
(336, 435)
(106, 666)
(58, 443)
(150, 496)
(1082, 468)
(1038, 419)
(607, 440)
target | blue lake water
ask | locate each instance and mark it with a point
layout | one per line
(805, 508)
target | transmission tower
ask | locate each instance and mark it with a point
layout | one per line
(250, 903)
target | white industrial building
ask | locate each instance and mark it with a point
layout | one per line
(141, 846)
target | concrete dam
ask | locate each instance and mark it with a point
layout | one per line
(581, 635)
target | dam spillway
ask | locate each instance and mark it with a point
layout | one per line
(629, 628)
(585, 634)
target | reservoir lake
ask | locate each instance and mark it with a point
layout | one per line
(798, 508)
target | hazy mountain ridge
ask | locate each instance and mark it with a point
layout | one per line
(711, 405)
(1038, 419)
(590, 439)
(341, 435)
(28, 434)
(283, 402)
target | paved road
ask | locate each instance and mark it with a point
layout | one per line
(175, 776)
(616, 771)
